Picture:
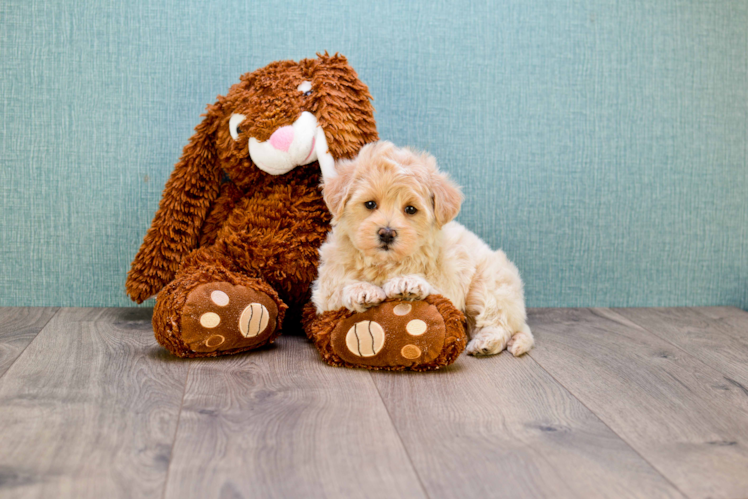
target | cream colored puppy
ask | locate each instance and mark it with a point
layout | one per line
(393, 236)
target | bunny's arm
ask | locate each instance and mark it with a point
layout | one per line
(175, 231)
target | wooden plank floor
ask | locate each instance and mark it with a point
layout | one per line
(611, 403)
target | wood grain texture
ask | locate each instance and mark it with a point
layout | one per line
(647, 402)
(18, 327)
(502, 427)
(716, 336)
(677, 412)
(278, 422)
(733, 315)
(90, 409)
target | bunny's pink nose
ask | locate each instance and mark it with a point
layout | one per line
(282, 138)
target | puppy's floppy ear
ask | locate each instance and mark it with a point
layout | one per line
(338, 190)
(445, 194)
(189, 193)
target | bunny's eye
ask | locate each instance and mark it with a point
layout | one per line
(305, 88)
(234, 122)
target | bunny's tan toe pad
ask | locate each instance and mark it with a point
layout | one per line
(220, 316)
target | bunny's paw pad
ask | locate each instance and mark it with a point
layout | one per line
(224, 317)
(394, 334)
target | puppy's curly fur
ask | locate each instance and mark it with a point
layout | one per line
(393, 237)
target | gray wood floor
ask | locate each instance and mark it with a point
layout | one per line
(611, 403)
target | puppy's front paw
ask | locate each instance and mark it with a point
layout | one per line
(520, 343)
(361, 295)
(410, 287)
(488, 341)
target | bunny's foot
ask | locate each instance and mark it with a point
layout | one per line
(218, 318)
(397, 334)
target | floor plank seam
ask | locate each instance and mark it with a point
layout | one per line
(675, 346)
(400, 438)
(176, 429)
(57, 311)
(664, 477)
(724, 329)
(744, 311)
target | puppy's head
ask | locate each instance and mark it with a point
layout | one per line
(390, 201)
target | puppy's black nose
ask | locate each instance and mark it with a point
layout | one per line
(387, 235)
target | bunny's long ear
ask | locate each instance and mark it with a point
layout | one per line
(175, 231)
(344, 107)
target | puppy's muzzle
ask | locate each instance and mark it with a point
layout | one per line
(387, 235)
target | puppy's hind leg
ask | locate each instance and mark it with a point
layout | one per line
(488, 340)
(492, 339)
(496, 307)
(521, 342)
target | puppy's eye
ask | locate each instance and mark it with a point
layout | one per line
(410, 210)
(371, 205)
(234, 122)
(308, 93)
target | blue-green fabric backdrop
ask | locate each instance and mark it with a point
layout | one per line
(602, 144)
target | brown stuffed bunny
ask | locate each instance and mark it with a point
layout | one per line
(234, 243)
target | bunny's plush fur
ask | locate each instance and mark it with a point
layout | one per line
(235, 243)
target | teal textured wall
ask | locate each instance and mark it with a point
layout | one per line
(602, 144)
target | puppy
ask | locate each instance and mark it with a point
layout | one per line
(393, 236)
